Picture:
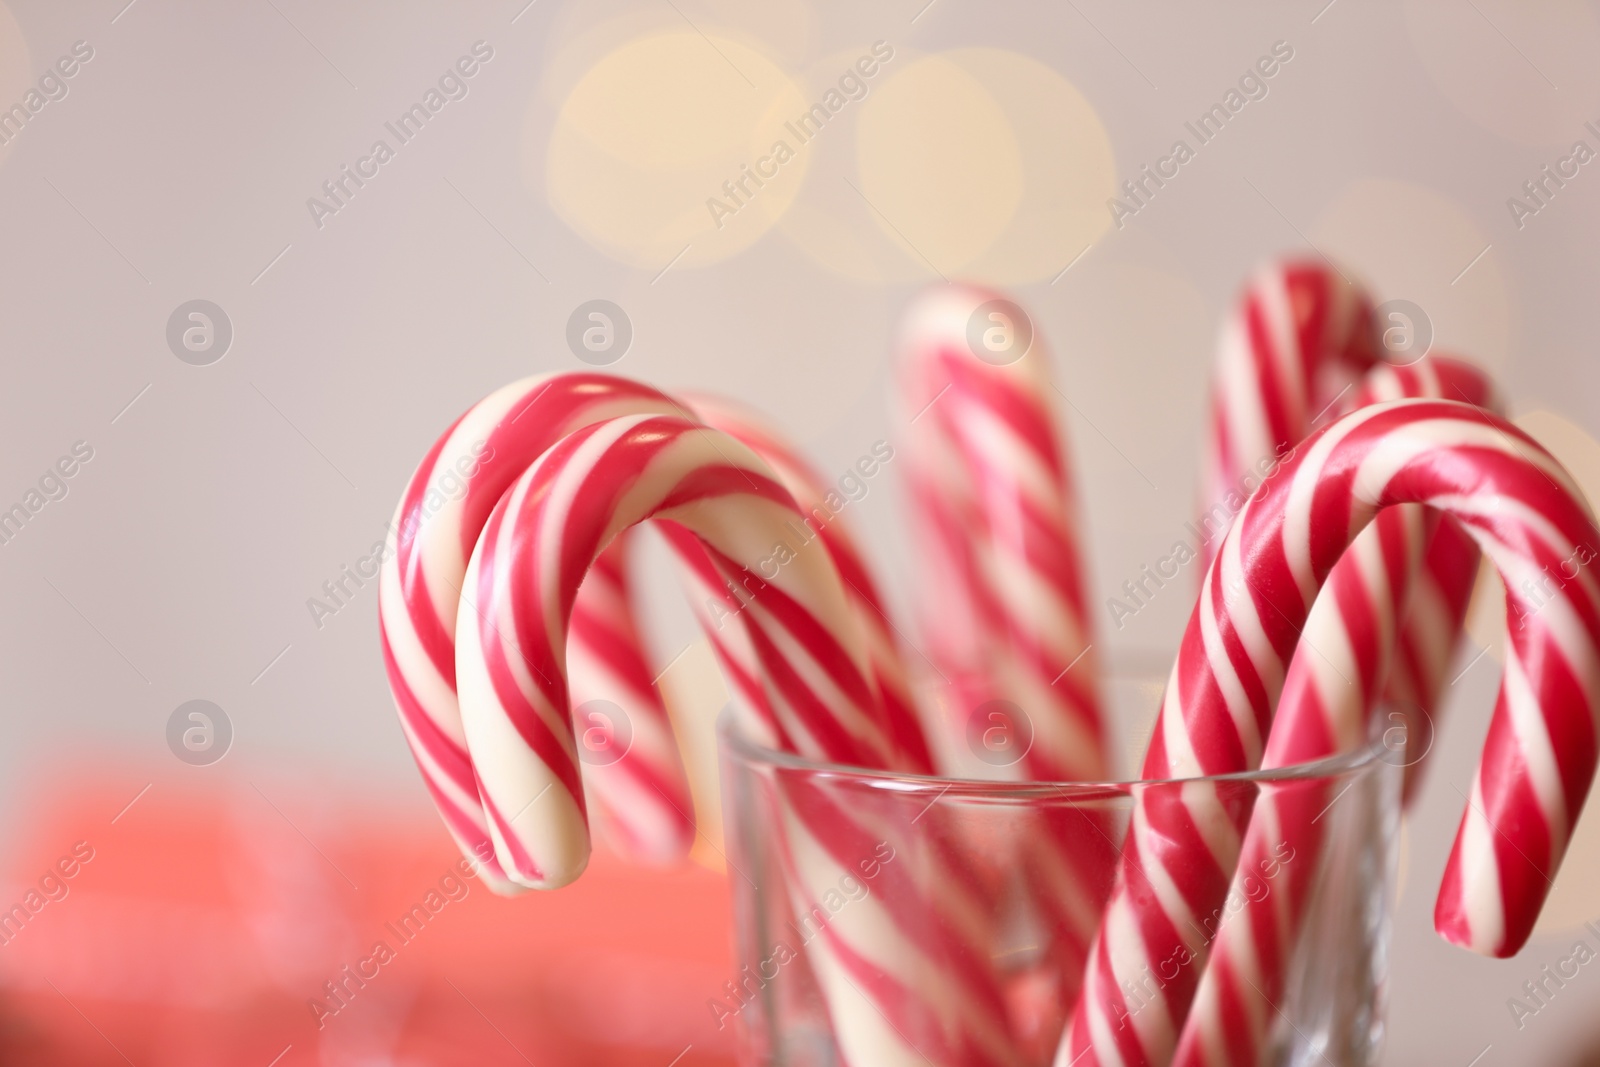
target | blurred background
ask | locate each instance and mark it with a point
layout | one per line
(161, 160)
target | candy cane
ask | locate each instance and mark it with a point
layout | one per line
(895, 966)
(1528, 518)
(438, 520)
(1004, 606)
(965, 903)
(1004, 601)
(1326, 708)
(539, 542)
(962, 906)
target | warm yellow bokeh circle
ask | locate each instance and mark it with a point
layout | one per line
(1068, 169)
(648, 136)
(985, 164)
(976, 162)
(940, 162)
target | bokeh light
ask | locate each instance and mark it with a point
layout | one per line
(1067, 168)
(651, 134)
(977, 163)
(940, 162)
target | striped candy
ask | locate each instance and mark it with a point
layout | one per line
(960, 909)
(900, 983)
(1528, 518)
(1352, 648)
(540, 540)
(444, 508)
(1004, 605)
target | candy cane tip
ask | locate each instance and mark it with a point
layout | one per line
(501, 886)
(1456, 929)
(545, 881)
(1497, 936)
(483, 865)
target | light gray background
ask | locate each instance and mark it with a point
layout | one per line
(179, 164)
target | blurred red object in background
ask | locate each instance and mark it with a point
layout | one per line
(236, 924)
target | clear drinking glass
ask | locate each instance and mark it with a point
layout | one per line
(884, 918)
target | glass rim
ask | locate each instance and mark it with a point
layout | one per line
(1332, 767)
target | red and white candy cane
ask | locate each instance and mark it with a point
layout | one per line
(716, 604)
(963, 904)
(538, 543)
(1354, 648)
(892, 966)
(1004, 606)
(439, 518)
(1530, 521)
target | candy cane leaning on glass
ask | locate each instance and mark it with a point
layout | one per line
(438, 521)
(1329, 699)
(1004, 600)
(965, 904)
(882, 967)
(1254, 935)
(1527, 517)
